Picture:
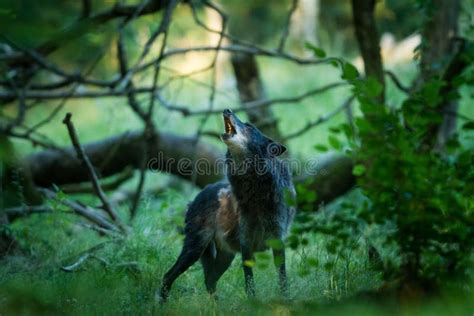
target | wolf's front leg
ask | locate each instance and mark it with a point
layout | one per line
(279, 260)
(247, 255)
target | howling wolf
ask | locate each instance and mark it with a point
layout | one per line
(240, 213)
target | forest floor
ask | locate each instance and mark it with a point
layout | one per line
(121, 276)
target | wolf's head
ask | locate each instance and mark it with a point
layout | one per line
(244, 139)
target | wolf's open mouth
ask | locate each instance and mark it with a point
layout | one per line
(229, 127)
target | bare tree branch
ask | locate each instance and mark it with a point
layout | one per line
(82, 26)
(321, 119)
(397, 82)
(149, 130)
(250, 105)
(82, 210)
(85, 255)
(14, 213)
(93, 176)
(47, 95)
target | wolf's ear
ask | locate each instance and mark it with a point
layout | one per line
(274, 148)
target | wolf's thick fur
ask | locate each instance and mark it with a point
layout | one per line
(240, 213)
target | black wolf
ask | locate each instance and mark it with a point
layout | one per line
(240, 213)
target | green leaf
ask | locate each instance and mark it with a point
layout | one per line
(302, 272)
(349, 72)
(374, 87)
(293, 241)
(328, 266)
(262, 256)
(275, 244)
(249, 263)
(314, 262)
(310, 197)
(358, 170)
(334, 142)
(468, 126)
(262, 266)
(334, 63)
(320, 147)
(318, 52)
(278, 260)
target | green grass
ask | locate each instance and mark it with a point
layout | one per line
(154, 245)
(32, 282)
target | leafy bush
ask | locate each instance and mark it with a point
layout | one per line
(421, 198)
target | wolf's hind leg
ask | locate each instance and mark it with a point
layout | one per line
(279, 260)
(215, 267)
(193, 248)
(247, 255)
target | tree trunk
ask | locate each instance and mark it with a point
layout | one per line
(368, 40)
(251, 88)
(441, 56)
(333, 179)
(305, 22)
(170, 153)
(439, 29)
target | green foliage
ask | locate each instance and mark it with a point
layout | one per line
(418, 200)
(426, 195)
(318, 52)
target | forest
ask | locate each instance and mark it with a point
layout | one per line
(114, 116)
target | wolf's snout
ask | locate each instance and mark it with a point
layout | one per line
(227, 112)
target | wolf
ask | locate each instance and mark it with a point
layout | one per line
(238, 214)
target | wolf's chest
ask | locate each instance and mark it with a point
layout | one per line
(254, 220)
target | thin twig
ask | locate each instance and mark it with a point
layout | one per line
(151, 40)
(63, 102)
(397, 82)
(185, 111)
(92, 174)
(320, 120)
(34, 141)
(43, 95)
(149, 130)
(85, 211)
(123, 66)
(85, 255)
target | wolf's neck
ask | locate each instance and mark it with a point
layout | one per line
(248, 177)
